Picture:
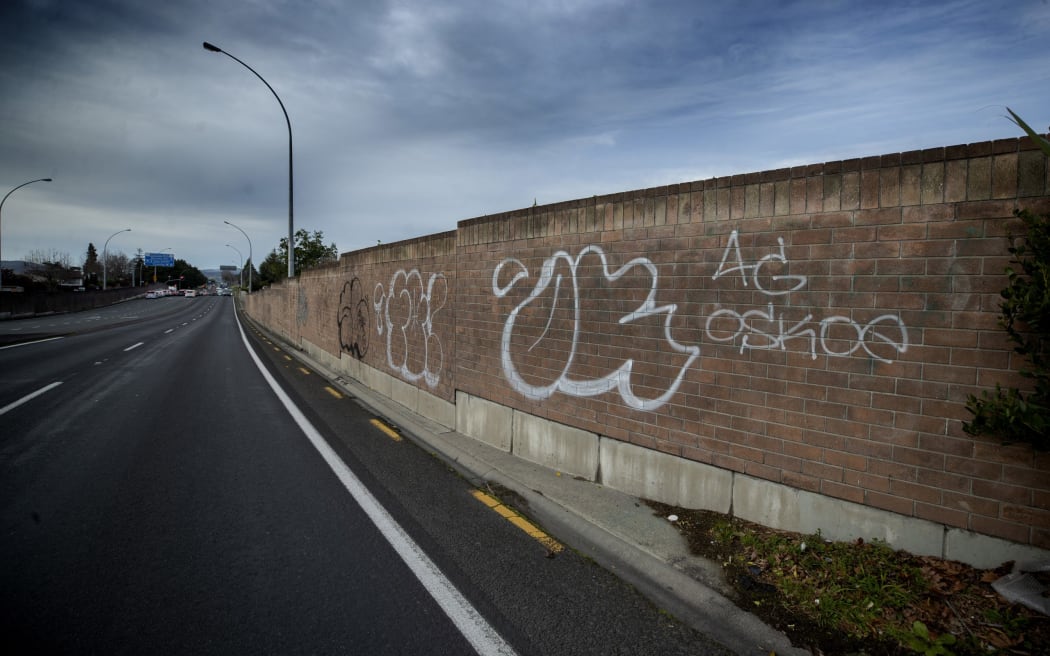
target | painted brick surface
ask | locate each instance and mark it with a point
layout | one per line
(818, 327)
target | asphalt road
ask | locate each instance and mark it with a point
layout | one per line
(158, 496)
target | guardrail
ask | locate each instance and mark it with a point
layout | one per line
(28, 304)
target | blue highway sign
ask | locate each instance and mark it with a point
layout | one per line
(159, 260)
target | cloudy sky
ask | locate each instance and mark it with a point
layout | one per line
(409, 116)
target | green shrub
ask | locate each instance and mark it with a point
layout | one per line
(1011, 414)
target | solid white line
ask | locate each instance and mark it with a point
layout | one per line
(39, 341)
(29, 397)
(485, 640)
(133, 346)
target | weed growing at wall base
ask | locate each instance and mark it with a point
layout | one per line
(861, 597)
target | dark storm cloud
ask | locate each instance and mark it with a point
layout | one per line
(408, 116)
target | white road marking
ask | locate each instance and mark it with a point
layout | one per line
(29, 397)
(169, 330)
(485, 640)
(39, 341)
(133, 347)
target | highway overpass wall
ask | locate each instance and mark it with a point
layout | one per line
(793, 346)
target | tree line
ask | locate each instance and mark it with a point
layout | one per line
(54, 270)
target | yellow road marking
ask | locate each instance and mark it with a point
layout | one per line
(306, 372)
(333, 392)
(514, 518)
(504, 511)
(390, 432)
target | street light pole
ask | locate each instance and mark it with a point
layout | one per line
(251, 261)
(291, 237)
(1, 221)
(104, 247)
(241, 272)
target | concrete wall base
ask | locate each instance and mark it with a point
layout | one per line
(418, 401)
(484, 421)
(684, 483)
(557, 446)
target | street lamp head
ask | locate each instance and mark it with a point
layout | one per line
(45, 179)
(209, 47)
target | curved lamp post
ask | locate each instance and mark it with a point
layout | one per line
(104, 263)
(241, 272)
(291, 238)
(1, 222)
(251, 262)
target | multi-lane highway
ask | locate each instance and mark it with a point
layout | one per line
(171, 481)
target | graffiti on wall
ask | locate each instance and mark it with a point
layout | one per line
(619, 379)
(354, 319)
(405, 315)
(760, 329)
(767, 329)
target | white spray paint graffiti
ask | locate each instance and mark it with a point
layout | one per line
(748, 326)
(620, 379)
(413, 305)
(734, 246)
(767, 340)
(758, 329)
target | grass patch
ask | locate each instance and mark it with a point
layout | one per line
(861, 597)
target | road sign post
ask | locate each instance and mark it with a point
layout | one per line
(159, 260)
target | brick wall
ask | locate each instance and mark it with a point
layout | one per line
(393, 310)
(819, 326)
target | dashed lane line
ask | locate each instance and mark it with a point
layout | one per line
(29, 397)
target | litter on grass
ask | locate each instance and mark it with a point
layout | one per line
(1022, 587)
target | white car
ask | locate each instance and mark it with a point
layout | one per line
(189, 293)
(152, 295)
